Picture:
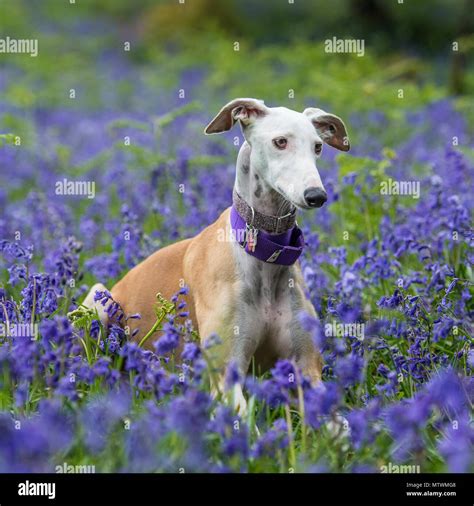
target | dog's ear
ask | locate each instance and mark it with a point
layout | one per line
(244, 110)
(330, 128)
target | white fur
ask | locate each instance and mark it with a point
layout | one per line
(91, 304)
(290, 171)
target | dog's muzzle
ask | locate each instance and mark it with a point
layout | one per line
(315, 197)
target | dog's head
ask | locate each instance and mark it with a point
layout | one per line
(285, 145)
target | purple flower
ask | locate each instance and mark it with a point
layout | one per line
(30, 444)
(457, 446)
(191, 352)
(56, 332)
(349, 370)
(104, 266)
(232, 376)
(67, 388)
(211, 341)
(470, 359)
(100, 416)
(115, 338)
(268, 444)
(362, 423)
(232, 431)
(406, 420)
(39, 296)
(95, 329)
(313, 325)
(169, 341)
(21, 393)
(15, 251)
(321, 402)
(134, 356)
(141, 443)
(189, 411)
(17, 272)
(391, 302)
(448, 393)
(267, 391)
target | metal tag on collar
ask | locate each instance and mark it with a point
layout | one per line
(274, 256)
(251, 234)
(250, 240)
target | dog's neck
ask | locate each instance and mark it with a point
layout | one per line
(254, 190)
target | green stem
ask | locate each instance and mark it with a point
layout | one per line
(302, 416)
(291, 442)
(152, 330)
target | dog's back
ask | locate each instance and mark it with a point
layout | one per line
(169, 269)
(161, 272)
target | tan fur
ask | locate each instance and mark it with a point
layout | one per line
(202, 263)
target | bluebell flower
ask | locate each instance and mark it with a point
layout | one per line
(457, 446)
(233, 375)
(100, 416)
(321, 402)
(191, 352)
(349, 370)
(16, 272)
(169, 340)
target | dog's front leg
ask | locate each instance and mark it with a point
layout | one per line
(236, 366)
(243, 348)
(231, 360)
(305, 353)
(310, 361)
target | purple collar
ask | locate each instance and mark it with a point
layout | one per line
(281, 249)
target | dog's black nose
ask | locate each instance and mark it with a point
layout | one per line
(315, 197)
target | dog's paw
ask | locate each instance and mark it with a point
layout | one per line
(239, 403)
(339, 428)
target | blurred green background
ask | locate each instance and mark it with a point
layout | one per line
(173, 46)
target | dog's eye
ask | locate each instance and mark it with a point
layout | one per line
(280, 142)
(318, 147)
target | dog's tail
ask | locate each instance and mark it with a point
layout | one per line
(90, 303)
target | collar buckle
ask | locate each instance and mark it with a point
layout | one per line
(278, 220)
(274, 256)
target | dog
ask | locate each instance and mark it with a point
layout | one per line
(245, 283)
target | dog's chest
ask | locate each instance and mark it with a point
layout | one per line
(269, 302)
